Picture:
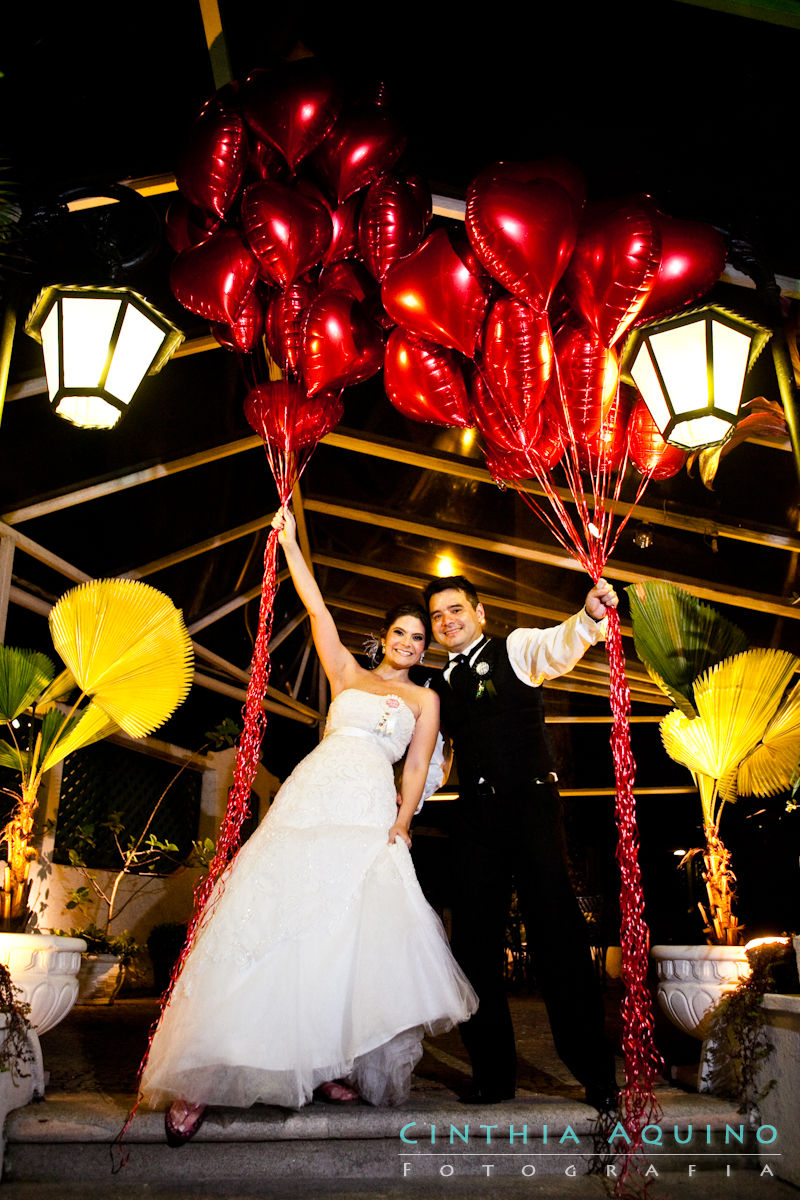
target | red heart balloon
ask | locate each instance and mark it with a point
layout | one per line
(503, 429)
(214, 159)
(559, 170)
(393, 221)
(517, 356)
(292, 108)
(265, 162)
(216, 277)
(614, 265)
(509, 466)
(245, 331)
(433, 294)
(344, 243)
(692, 260)
(185, 225)
(362, 145)
(550, 445)
(350, 277)
(606, 449)
(287, 232)
(340, 345)
(424, 381)
(285, 319)
(649, 453)
(522, 232)
(588, 373)
(287, 419)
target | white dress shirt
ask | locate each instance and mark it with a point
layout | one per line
(539, 654)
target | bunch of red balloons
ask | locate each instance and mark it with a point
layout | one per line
(514, 328)
(287, 220)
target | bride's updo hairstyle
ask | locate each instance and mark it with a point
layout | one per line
(407, 610)
(372, 646)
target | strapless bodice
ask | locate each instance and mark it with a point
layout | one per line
(386, 721)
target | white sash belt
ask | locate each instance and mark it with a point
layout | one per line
(352, 731)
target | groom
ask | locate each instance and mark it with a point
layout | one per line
(509, 829)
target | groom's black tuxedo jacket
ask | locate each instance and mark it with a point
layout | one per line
(497, 727)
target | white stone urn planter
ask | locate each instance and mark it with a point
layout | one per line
(45, 969)
(693, 979)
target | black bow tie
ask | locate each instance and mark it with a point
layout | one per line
(460, 677)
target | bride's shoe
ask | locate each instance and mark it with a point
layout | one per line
(182, 1121)
(336, 1093)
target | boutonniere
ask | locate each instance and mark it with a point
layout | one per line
(485, 686)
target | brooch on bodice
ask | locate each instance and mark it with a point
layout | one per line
(388, 718)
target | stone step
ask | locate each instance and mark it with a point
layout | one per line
(72, 1136)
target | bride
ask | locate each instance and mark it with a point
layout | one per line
(319, 965)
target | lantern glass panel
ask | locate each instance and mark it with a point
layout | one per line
(681, 356)
(90, 412)
(731, 355)
(702, 431)
(138, 343)
(88, 325)
(50, 350)
(646, 380)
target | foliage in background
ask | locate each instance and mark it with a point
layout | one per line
(128, 655)
(141, 853)
(15, 1046)
(734, 725)
(737, 1037)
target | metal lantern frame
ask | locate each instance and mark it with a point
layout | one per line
(673, 421)
(50, 305)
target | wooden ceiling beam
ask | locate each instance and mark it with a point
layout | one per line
(374, 446)
(532, 552)
(418, 582)
(470, 469)
(402, 452)
(119, 483)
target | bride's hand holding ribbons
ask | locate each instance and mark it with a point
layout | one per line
(285, 523)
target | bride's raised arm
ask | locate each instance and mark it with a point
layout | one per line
(337, 661)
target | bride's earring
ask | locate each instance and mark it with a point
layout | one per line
(422, 657)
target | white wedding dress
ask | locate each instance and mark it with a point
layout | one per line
(319, 958)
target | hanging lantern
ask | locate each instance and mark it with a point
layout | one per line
(690, 371)
(99, 343)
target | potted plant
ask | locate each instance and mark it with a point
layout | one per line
(736, 726)
(128, 666)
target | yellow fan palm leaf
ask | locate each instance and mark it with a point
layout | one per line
(92, 725)
(735, 701)
(772, 765)
(127, 647)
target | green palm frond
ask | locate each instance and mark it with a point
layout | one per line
(24, 675)
(678, 638)
(10, 756)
